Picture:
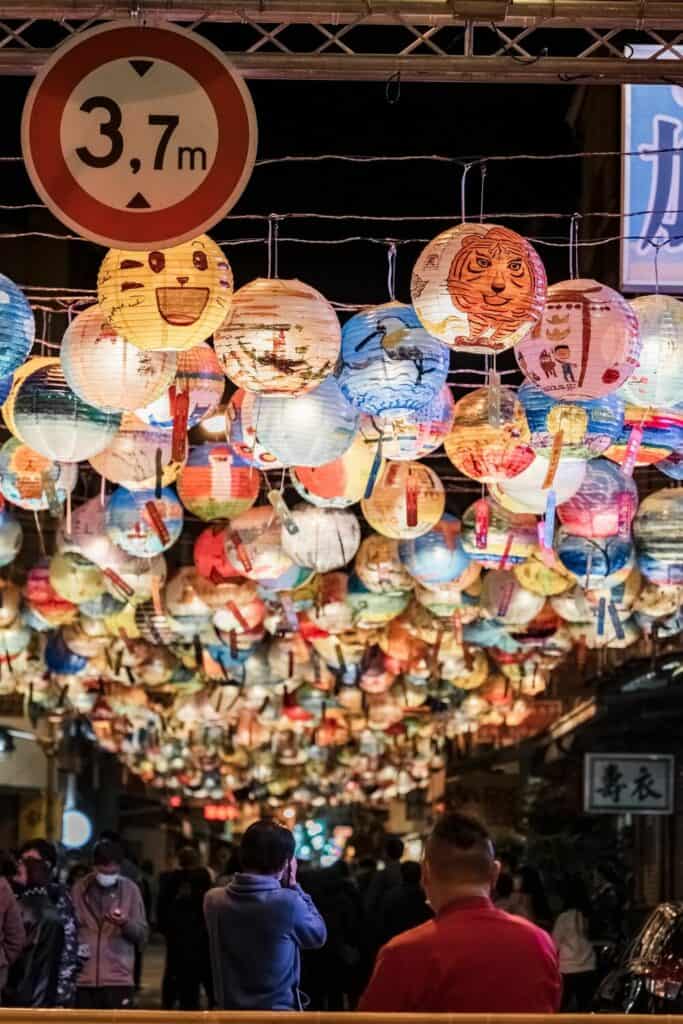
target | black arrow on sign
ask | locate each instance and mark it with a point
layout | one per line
(141, 66)
(138, 202)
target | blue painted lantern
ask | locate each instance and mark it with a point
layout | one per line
(588, 428)
(438, 556)
(142, 524)
(17, 326)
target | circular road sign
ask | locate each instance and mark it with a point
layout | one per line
(139, 137)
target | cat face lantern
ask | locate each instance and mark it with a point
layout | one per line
(167, 299)
(479, 287)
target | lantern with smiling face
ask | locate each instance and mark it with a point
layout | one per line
(166, 299)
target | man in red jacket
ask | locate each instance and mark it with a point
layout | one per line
(472, 958)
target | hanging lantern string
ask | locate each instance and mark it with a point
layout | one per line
(482, 176)
(658, 246)
(463, 191)
(391, 270)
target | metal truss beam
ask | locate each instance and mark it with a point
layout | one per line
(550, 41)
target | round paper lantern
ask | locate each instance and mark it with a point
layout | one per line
(17, 326)
(326, 539)
(388, 361)
(141, 524)
(407, 502)
(183, 600)
(343, 482)
(134, 579)
(379, 568)
(408, 434)
(295, 580)
(168, 299)
(215, 483)
(253, 544)
(659, 538)
(586, 344)
(199, 373)
(672, 466)
(573, 605)
(479, 287)
(658, 600)
(210, 558)
(506, 600)
(543, 575)
(445, 600)
(604, 505)
(41, 596)
(241, 431)
(372, 610)
(490, 436)
(55, 422)
(508, 535)
(581, 430)
(282, 337)
(107, 371)
(662, 434)
(597, 562)
(31, 481)
(135, 455)
(74, 578)
(658, 379)
(24, 371)
(88, 535)
(526, 491)
(14, 641)
(11, 534)
(310, 430)
(437, 556)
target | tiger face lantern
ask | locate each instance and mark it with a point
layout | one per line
(479, 287)
(168, 299)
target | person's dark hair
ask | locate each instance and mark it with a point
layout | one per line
(460, 850)
(505, 886)
(532, 886)
(411, 872)
(266, 847)
(43, 847)
(575, 895)
(367, 864)
(107, 852)
(188, 858)
(394, 848)
(76, 872)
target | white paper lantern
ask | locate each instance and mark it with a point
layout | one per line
(505, 600)
(527, 493)
(135, 454)
(657, 381)
(327, 538)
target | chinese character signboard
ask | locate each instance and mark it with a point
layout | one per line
(652, 185)
(629, 783)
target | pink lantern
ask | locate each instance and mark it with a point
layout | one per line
(586, 344)
(604, 504)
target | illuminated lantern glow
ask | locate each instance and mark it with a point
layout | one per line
(604, 505)
(135, 455)
(658, 537)
(596, 562)
(406, 502)
(658, 379)
(437, 556)
(389, 362)
(55, 422)
(577, 430)
(409, 434)
(311, 429)
(372, 610)
(141, 524)
(30, 480)
(327, 539)
(199, 374)
(17, 326)
(526, 491)
(536, 575)
(169, 299)
(490, 436)
(662, 433)
(253, 544)
(11, 534)
(479, 287)
(340, 483)
(586, 344)
(215, 483)
(509, 536)
(74, 578)
(283, 338)
(379, 567)
(109, 372)
(241, 431)
(506, 600)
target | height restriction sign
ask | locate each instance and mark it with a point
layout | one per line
(139, 137)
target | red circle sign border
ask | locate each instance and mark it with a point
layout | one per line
(54, 182)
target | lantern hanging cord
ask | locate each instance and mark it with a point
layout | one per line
(391, 270)
(482, 177)
(463, 192)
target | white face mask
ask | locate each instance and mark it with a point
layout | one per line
(106, 880)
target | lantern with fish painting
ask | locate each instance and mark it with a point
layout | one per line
(479, 287)
(586, 344)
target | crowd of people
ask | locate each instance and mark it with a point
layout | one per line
(460, 932)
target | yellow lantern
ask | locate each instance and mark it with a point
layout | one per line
(167, 299)
(379, 567)
(283, 337)
(490, 439)
(407, 502)
(74, 578)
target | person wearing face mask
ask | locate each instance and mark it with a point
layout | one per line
(111, 925)
(44, 976)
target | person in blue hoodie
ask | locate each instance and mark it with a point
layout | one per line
(259, 923)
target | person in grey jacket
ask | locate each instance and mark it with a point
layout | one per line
(259, 923)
